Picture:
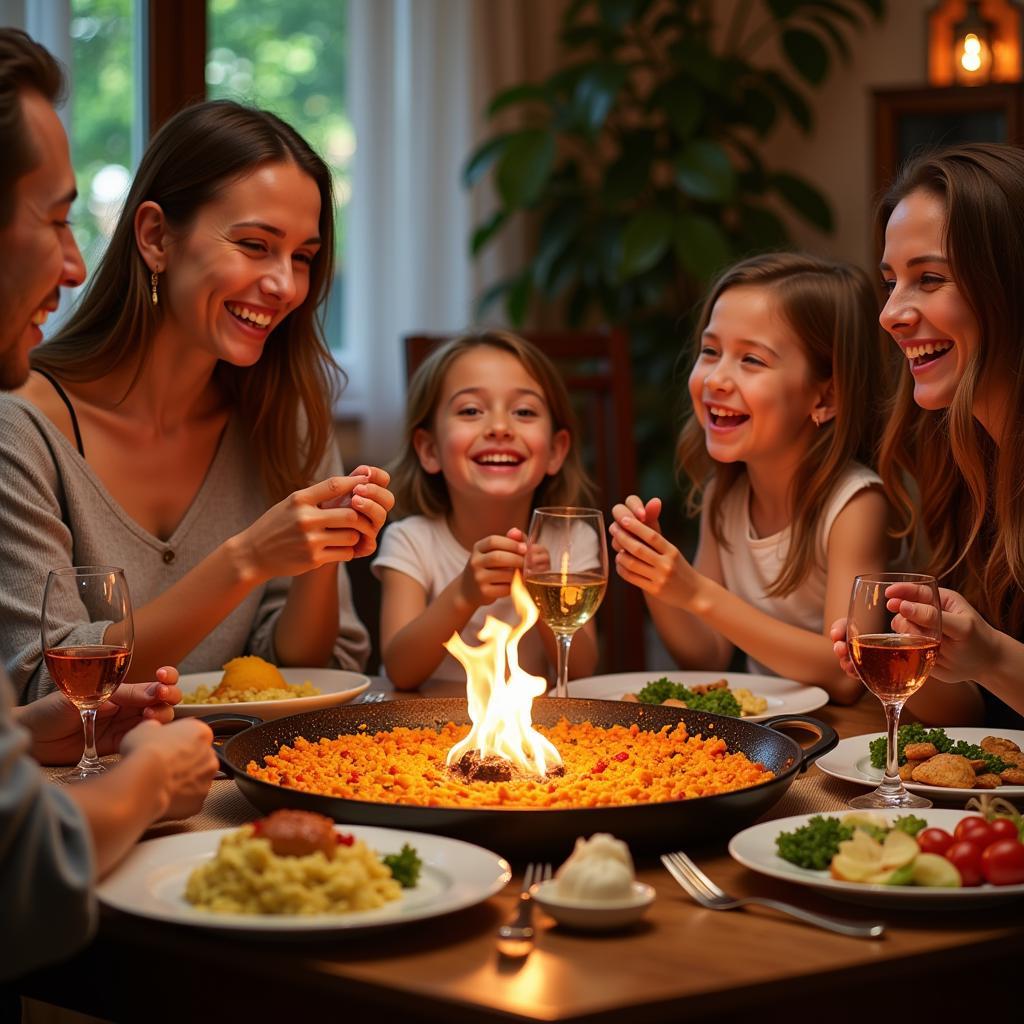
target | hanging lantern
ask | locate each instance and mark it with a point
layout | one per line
(971, 42)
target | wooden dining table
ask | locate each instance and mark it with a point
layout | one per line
(682, 963)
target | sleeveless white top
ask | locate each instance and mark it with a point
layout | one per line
(752, 563)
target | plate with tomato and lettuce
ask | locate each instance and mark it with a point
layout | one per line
(918, 858)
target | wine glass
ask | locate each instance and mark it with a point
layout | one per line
(566, 573)
(88, 635)
(892, 665)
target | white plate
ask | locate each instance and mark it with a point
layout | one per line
(336, 686)
(784, 696)
(150, 882)
(851, 761)
(754, 848)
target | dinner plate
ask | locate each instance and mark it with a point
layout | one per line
(336, 686)
(754, 848)
(150, 883)
(784, 696)
(851, 760)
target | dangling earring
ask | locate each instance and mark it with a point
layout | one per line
(154, 279)
(815, 417)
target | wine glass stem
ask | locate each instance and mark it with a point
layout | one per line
(892, 766)
(89, 755)
(562, 684)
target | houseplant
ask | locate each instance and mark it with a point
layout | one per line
(637, 162)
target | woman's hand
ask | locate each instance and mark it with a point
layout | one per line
(491, 566)
(969, 645)
(646, 559)
(335, 520)
(184, 752)
(56, 724)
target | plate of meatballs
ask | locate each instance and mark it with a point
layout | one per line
(939, 775)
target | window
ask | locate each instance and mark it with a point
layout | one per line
(290, 58)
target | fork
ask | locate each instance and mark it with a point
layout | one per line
(709, 895)
(516, 937)
(372, 698)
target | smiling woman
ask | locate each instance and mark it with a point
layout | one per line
(189, 393)
(954, 268)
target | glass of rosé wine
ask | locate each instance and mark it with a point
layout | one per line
(893, 658)
(88, 635)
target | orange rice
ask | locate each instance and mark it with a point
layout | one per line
(603, 767)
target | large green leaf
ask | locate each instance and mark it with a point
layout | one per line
(483, 233)
(876, 7)
(644, 241)
(683, 104)
(783, 9)
(524, 167)
(491, 295)
(616, 13)
(557, 232)
(482, 157)
(704, 171)
(517, 302)
(595, 93)
(833, 32)
(528, 93)
(701, 245)
(805, 199)
(791, 98)
(807, 53)
(761, 230)
(630, 175)
(758, 110)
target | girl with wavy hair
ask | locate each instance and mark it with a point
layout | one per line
(785, 414)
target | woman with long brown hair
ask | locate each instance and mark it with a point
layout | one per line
(179, 425)
(953, 267)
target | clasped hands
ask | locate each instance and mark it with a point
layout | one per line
(646, 559)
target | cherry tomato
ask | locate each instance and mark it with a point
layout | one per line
(965, 856)
(974, 828)
(934, 840)
(1003, 828)
(1002, 862)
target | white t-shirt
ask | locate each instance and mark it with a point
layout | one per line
(425, 549)
(753, 563)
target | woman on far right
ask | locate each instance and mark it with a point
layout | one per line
(952, 455)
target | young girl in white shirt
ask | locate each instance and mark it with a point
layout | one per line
(489, 436)
(786, 408)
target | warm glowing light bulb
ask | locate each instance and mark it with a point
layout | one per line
(971, 59)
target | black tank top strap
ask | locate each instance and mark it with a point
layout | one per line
(63, 395)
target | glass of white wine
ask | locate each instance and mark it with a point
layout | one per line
(89, 670)
(566, 573)
(893, 665)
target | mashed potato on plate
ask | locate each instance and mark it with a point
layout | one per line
(247, 876)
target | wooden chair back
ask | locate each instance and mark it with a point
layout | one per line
(596, 368)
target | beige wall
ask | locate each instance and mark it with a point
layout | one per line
(837, 157)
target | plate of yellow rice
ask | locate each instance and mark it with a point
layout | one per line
(252, 686)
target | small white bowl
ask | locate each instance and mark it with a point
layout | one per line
(593, 915)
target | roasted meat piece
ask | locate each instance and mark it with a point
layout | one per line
(298, 833)
(949, 770)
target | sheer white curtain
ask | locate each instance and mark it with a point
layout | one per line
(421, 73)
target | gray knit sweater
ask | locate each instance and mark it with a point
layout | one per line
(54, 511)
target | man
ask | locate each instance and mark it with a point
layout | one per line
(55, 841)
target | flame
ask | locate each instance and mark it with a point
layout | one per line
(501, 694)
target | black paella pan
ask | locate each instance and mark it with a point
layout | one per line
(658, 825)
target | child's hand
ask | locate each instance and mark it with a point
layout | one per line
(491, 566)
(646, 559)
(837, 634)
(968, 649)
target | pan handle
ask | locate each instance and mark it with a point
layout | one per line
(226, 724)
(827, 736)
